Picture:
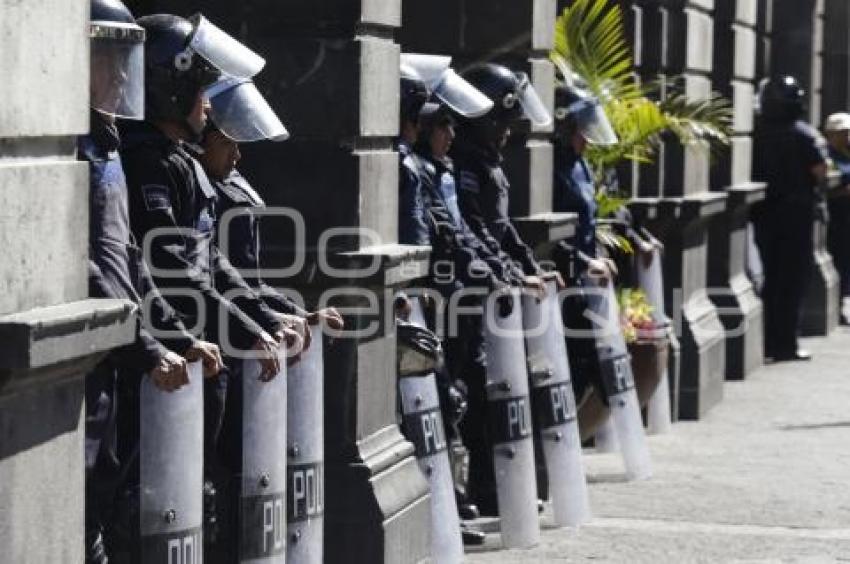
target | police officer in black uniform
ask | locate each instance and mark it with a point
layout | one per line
(790, 156)
(116, 269)
(172, 202)
(458, 259)
(483, 192)
(239, 113)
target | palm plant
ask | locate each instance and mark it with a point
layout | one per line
(590, 43)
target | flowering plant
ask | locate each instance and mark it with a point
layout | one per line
(635, 313)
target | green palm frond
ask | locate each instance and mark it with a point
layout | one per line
(698, 121)
(590, 41)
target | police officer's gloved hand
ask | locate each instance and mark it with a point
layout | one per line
(418, 339)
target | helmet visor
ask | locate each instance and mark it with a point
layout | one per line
(239, 110)
(118, 69)
(223, 51)
(594, 125)
(531, 103)
(461, 96)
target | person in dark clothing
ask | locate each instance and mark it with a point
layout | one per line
(238, 113)
(790, 156)
(483, 187)
(116, 269)
(482, 198)
(837, 132)
(458, 260)
(172, 204)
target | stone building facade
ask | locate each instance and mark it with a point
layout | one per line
(333, 75)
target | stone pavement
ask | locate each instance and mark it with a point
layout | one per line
(765, 477)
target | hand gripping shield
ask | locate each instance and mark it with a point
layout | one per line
(423, 426)
(305, 505)
(509, 420)
(171, 471)
(262, 503)
(554, 407)
(617, 378)
(659, 419)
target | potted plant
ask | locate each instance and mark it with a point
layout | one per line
(646, 338)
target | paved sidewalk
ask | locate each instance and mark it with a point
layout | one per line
(765, 477)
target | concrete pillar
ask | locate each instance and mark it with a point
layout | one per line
(732, 292)
(836, 57)
(677, 42)
(50, 333)
(332, 74)
(798, 32)
(520, 36)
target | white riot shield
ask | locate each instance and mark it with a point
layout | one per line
(605, 439)
(617, 378)
(509, 415)
(423, 426)
(650, 279)
(305, 506)
(171, 458)
(262, 511)
(555, 407)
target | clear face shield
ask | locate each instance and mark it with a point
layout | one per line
(118, 69)
(239, 110)
(450, 88)
(594, 125)
(530, 102)
(223, 51)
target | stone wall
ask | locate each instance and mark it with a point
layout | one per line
(50, 334)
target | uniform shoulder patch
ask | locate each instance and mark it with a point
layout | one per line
(469, 182)
(156, 197)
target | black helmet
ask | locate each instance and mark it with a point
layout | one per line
(414, 94)
(781, 99)
(577, 109)
(173, 78)
(184, 56)
(512, 94)
(117, 60)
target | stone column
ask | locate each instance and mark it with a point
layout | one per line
(836, 57)
(50, 333)
(332, 75)
(732, 291)
(520, 36)
(798, 50)
(683, 32)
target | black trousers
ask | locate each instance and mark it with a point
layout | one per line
(785, 239)
(838, 239)
(466, 360)
(101, 457)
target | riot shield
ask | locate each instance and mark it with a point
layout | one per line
(305, 469)
(262, 516)
(554, 407)
(617, 378)
(650, 279)
(509, 421)
(605, 439)
(423, 426)
(171, 449)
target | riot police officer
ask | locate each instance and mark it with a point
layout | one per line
(172, 202)
(790, 156)
(238, 113)
(477, 152)
(482, 193)
(116, 269)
